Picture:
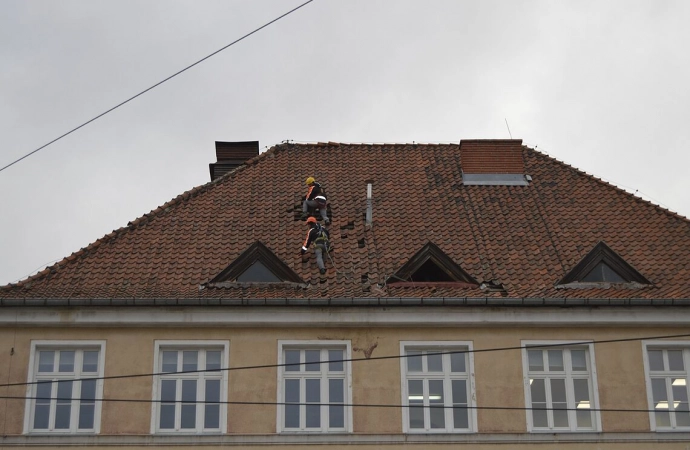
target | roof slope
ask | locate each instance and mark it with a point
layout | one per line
(523, 237)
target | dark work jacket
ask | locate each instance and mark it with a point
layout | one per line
(313, 236)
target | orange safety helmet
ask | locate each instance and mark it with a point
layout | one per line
(311, 220)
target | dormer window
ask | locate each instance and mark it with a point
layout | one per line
(258, 264)
(602, 268)
(258, 273)
(431, 266)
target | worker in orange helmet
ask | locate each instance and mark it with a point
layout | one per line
(319, 236)
(316, 197)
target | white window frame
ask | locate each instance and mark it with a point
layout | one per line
(33, 375)
(163, 345)
(568, 374)
(440, 347)
(665, 345)
(347, 365)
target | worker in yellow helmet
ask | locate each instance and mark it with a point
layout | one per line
(316, 197)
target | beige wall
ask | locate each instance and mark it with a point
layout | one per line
(499, 377)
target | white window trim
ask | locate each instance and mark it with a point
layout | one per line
(648, 380)
(60, 345)
(472, 398)
(593, 374)
(191, 344)
(309, 344)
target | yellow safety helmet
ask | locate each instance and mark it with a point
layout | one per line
(309, 181)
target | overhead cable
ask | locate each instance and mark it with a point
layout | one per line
(159, 83)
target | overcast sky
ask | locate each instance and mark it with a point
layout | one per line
(601, 85)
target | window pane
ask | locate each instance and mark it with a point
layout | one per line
(579, 360)
(168, 390)
(212, 416)
(538, 394)
(582, 403)
(459, 392)
(434, 362)
(457, 362)
(88, 390)
(188, 390)
(212, 391)
(86, 416)
(313, 395)
(336, 416)
(90, 363)
(436, 415)
(42, 409)
(556, 360)
(292, 411)
(335, 391)
(190, 360)
(63, 407)
(258, 273)
(337, 357)
(414, 361)
(188, 417)
(680, 402)
(660, 398)
(675, 360)
(560, 415)
(415, 391)
(460, 418)
(45, 361)
(66, 361)
(536, 361)
(212, 360)
(169, 362)
(292, 360)
(313, 357)
(167, 417)
(656, 359)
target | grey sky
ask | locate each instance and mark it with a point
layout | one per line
(602, 86)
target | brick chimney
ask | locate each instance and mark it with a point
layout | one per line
(231, 155)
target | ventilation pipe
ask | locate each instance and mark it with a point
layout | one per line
(369, 208)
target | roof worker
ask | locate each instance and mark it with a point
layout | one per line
(319, 236)
(316, 197)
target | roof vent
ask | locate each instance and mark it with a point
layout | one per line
(231, 155)
(493, 163)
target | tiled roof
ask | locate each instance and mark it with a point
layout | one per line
(523, 237)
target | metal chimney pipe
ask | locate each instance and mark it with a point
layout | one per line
(369, 208)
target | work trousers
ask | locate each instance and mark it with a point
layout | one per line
(312, 204)
(318, 250)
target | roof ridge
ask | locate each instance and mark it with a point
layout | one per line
(609, 184)
(141, 220)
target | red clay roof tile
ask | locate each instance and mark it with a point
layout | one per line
(523, 237)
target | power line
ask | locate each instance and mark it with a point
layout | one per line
(346, 405)
(270, 366)
(159, 83)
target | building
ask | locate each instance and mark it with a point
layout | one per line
(480, 295)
